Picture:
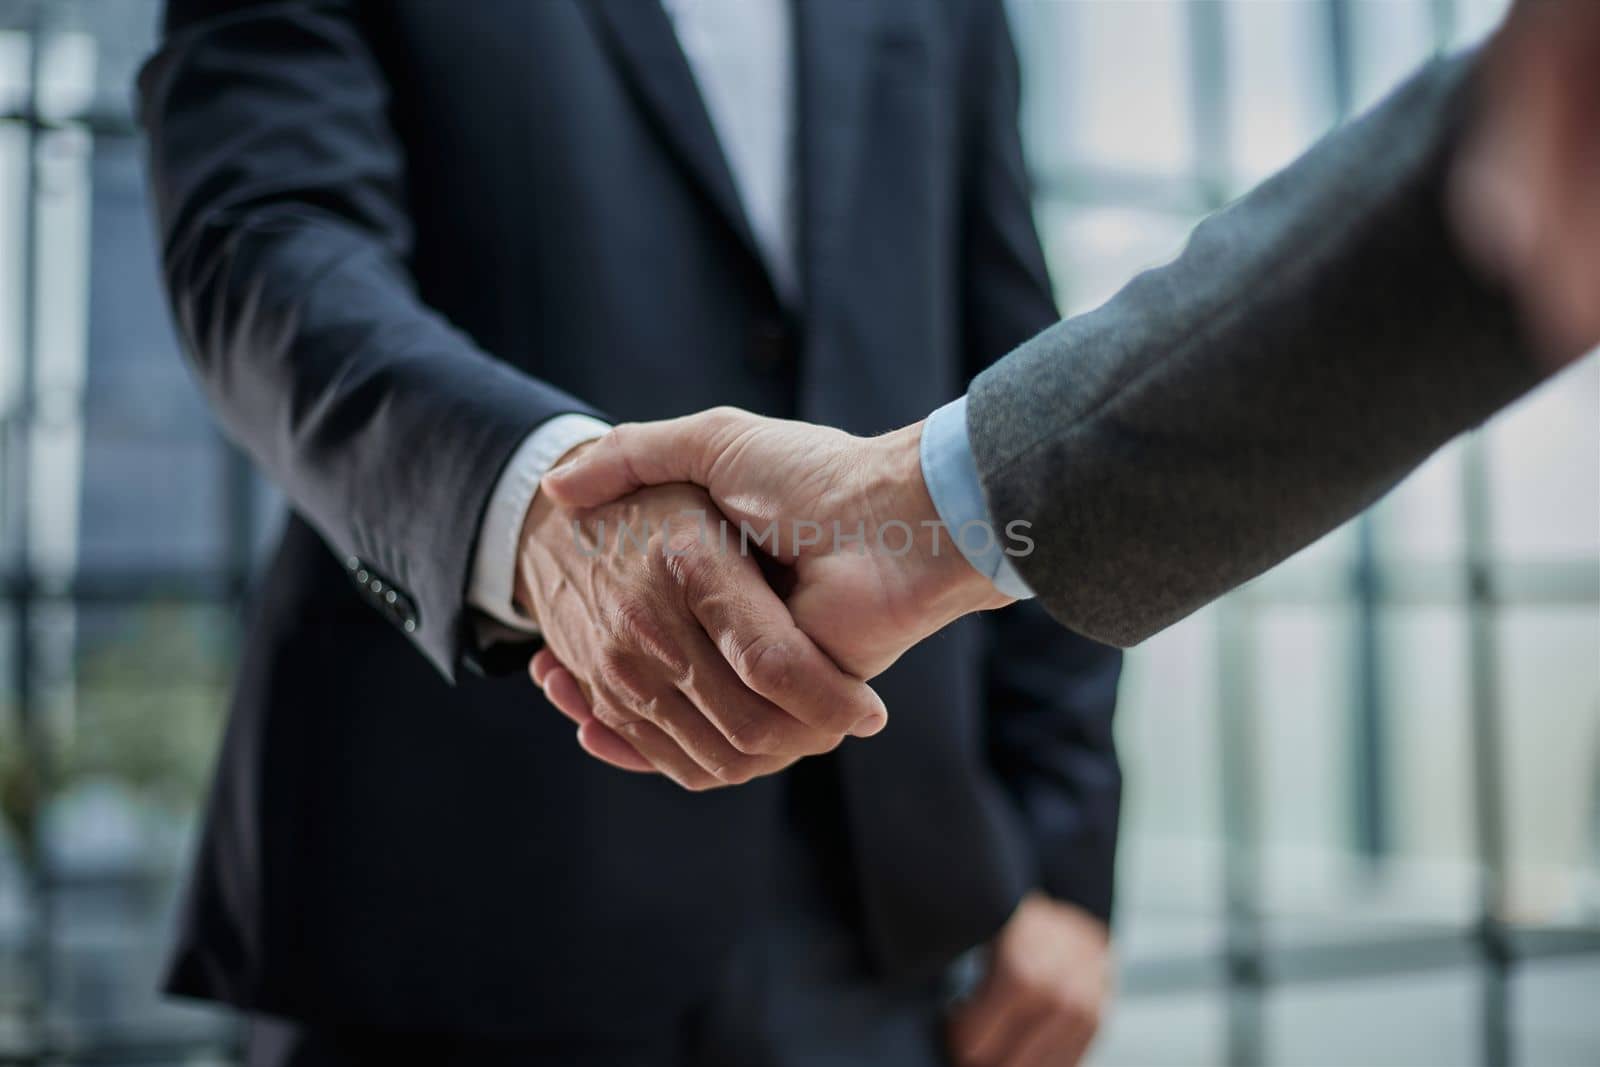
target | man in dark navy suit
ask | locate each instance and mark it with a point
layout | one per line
(418, 252)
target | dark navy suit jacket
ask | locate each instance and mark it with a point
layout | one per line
(397, 237)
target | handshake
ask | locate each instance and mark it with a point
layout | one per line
(715, 590)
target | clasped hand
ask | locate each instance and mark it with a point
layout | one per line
(667, 644)
(674, 656)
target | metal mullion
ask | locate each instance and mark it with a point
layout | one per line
(32, 732)
(1488, 793)
(1081, 184)
(1238, 765)
(1238, 778)
(98, 123)
(210, 585)
(1359, 957)
(1369, 800)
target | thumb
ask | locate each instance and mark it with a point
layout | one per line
(635, 455)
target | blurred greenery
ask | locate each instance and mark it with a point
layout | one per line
(145, 711)
(19, 785)
(150, 701)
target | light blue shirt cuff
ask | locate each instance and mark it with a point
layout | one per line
(952, 478)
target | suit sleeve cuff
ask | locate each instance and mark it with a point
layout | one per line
(494, 564)
(952, 478)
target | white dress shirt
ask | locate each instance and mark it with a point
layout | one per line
(742, 56)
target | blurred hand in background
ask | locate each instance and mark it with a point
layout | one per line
(1528, 190)
(1041, 1002)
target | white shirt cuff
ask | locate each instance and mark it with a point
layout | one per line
(494, 565)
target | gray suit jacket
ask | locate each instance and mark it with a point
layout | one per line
(1313, 344)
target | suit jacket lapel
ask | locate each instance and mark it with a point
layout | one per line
(641, 39)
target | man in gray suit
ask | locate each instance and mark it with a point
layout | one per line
(1314, 343)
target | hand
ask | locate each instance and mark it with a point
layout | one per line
(812, 492)
(1041, 1002)
(675, 656)
(1525, 195)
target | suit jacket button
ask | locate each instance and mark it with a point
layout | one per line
(771, 347)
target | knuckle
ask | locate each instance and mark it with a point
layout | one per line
(622, 434)
(631, 624)
(658, 566)
(620, 671)
(636, 629)
(630, 728)
(737, 772)
(755, 738)
(612, 659)
(766, 665)
(687, 677)
(693, 571)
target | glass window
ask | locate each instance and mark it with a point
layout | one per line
(1094, 251)
(1549, 713)
(1277, 84)
(1544, 465)
(1342, 685)
(1377, 1022)
(1300, 760)
(1117, 81)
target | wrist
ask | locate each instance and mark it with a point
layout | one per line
(941, 580)
(545, 531)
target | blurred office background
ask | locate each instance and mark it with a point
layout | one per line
(1363, 795)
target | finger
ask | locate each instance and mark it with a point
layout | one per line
(685, 723)
(1524, 184)
(1058, 1041)
(980, 1029)
(634, 455)
(756, 636)
(1077, 1043)
(666, 756)
(1570, 161)
(1022, 1024)
(544, 661)
(562, 690)
(746, 721)
(606, 745)
(650, 741)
